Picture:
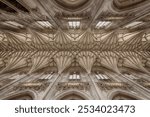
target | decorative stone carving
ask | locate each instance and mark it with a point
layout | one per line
(37, 86)
(111, 85)
(73, 85)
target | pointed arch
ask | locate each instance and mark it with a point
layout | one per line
(124, 95)
(77, 93)
(23, 95)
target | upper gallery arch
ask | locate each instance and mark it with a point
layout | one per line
(72, 4)
(128, 4)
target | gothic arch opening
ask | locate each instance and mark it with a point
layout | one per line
(128, 4)
(72, 97)
(121, 96)
(21, 96)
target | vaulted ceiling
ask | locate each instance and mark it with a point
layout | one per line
(52, 15)
(41, 33)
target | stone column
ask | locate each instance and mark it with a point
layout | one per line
(94, 87)
(7, 88)
(139, 89)
(49, 91)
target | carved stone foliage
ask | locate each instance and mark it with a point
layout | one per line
(39, 85)
(73, 85)
(104, 85)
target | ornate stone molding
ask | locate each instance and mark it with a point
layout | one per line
(37, 86)
(73, 85)
(113, 85)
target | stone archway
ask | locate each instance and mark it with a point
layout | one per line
(21, 97)
(73, 95)
(27, 95)
(123, 95)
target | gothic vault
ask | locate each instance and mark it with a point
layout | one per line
(74, 49)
